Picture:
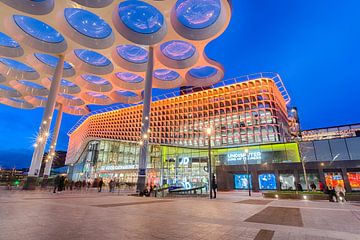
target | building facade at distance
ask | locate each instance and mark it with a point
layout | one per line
(250, 124)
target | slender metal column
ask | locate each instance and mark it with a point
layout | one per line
(54, 139)
(45, 126)
(145, 122)
(209, 167)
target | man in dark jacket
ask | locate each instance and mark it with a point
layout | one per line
(56, 183)
(214, 186)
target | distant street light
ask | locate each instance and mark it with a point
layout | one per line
(208, 133)
(247, 169)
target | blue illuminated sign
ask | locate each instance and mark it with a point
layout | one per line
(267, 181)
(241, 181)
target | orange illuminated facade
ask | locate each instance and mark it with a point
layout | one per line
(250, 112)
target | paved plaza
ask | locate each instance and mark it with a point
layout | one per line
(91, 215)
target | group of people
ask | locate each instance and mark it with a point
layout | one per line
(61, 183)
(336, 194)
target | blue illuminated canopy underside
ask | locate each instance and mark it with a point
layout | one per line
(31, 84)
(203, 72)
(16, 65)
(95, 79)
(178, 50)
(140, 16)
(38, 29)
(197, 14)
(87, 23)
(165, 74)
(129, 77)
(50, 60)
(132, 53)
(92, 58)
(7, 41)
(97, 95)
(126, 93)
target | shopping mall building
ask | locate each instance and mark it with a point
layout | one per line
(250, 123)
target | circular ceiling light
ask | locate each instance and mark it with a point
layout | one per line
(166, 75)
(140, 22)
(140, 16)
(126, 93)
(31, 84)
(38, 29)
(6, 41)
(178, 50)
(50, 60)
(95, 79)
(132, 53)
(197, 14)
(92, 58)
(16, 65)
(87, 23)
(203, 72)
(129, 77)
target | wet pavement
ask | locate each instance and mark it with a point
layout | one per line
(91, 215)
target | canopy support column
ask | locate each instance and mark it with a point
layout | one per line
(44, 127)
(54, 139)
(145, 122)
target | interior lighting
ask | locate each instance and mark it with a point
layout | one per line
(145, 136)
(208, 131)
(246, 150)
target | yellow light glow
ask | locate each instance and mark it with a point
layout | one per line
(246, 150)
(208, 131)
(145, 136)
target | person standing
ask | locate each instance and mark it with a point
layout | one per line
(214, 186)
(56, 183)
(101, 183)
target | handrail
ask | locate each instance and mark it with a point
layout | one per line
(271, 75)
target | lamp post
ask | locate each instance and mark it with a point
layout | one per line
(208, 133)
(294, 111)
(247, 169)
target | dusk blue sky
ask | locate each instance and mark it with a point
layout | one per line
(313, 45)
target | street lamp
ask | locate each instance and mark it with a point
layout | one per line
(247, 169)
(208, 133)
(294, 111)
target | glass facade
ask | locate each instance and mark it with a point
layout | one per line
(173, 166)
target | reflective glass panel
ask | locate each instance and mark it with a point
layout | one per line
(50, 60)
(31, 84)
(197, 14)
(7, 41)
(16, 65)
(140, 17)
(38, 29)
(87, 23)
(178, 50)
(92, 58)
(165, 74)
(203, 72)
(95, 79)
(132, 53)
(129, 77)
(126, 93)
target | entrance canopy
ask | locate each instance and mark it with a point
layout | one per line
(105, 44)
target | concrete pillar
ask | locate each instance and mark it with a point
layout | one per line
(44, 127)
(54, 139)
(145, 122)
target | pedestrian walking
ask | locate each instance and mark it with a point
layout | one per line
(101, 183)
(56, 183)
(214, 186)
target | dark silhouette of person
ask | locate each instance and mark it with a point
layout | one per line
(214, 186)
(101, 183)
(56, 183)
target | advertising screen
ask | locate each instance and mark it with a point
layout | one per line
(333, 179)
(267, 181)
(241, 181)
(354, 179)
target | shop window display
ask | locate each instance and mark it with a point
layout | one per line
(333, 179)
(287, 182)
(267, 181)
(354, 179)
(241, 181)
(312, 178)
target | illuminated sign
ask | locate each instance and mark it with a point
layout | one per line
(117, 167)
(232, 157)
(184, 161)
